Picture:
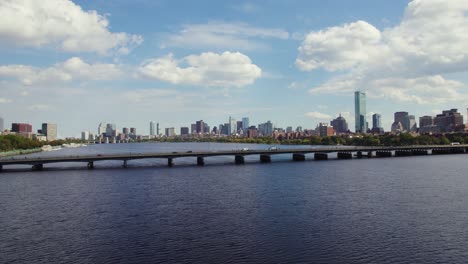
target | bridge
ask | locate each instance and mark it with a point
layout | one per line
(342, 152)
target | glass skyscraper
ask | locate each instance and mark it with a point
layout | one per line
(360, 112)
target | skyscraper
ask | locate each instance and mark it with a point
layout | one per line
(403, 118)
(360, 111)
(111, 130)
(412, 124)
(157, 129)
(152, 128)
(377, 124)
(102, 128)
(376, 121)
(50, 131)
(200, 127)
(245, 124)
(232, 128)
(2, 124)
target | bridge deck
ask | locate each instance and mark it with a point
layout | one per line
(173, 155)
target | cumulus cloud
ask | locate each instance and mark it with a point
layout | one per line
(338, 48)
(318, 115)
(62, 24)
(223, 35)
(228, 69)
(406, 62)
(71, 69)
(4, 100)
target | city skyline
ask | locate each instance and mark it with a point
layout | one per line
(90, 63)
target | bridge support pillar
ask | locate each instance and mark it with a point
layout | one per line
(239, 160)
(345, 155)
(298, 157)
(265, 158)
(200, 161)
(359, 154)
(382, 154)
(38, 167)
(1, 168)
(369, 154)
(90, 165)
(320, 156)
(125, 165)
(170, 163)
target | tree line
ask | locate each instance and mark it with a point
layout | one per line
(16, 142)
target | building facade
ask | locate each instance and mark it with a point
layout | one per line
(339, 124)
(360, 112)
(50, 131)
(245, 124)
(152, 128)
(170, 132)
(449, 121)
(200, 127)
(184, 131)
(403, 118)
(21, 128)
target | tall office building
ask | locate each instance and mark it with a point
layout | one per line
(2, 124)
(184, 131)
(152, 128)
(200, 127)
(403, 118)
(339, 124)
(449, 121)
(126, 131)
(157, 129)
(360, 112)
(111, 130)
(85, 135)
(245, 124)
(412, 124)
(232, 127)
(133, 131)
(193, 128)
(266, 129)
(376, 121)
(170, 132)
(50, 131)
(102, 128)
(239, 126)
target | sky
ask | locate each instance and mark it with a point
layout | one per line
(296, 63)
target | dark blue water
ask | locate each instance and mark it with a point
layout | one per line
(392, 210)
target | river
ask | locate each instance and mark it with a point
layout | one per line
(378, 210)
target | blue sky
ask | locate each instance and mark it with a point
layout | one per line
(292, 62)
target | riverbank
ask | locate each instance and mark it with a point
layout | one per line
(19, 152)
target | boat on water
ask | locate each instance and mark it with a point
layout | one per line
(50, 148)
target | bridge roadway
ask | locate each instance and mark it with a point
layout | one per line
(343, 152)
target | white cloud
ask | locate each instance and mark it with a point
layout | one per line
(405, 63)
(228, 69)
(71, 69)
(318, 115)
(4, 100)
(221, 35)
(338, 48)
(39, 107)
(62, 24)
